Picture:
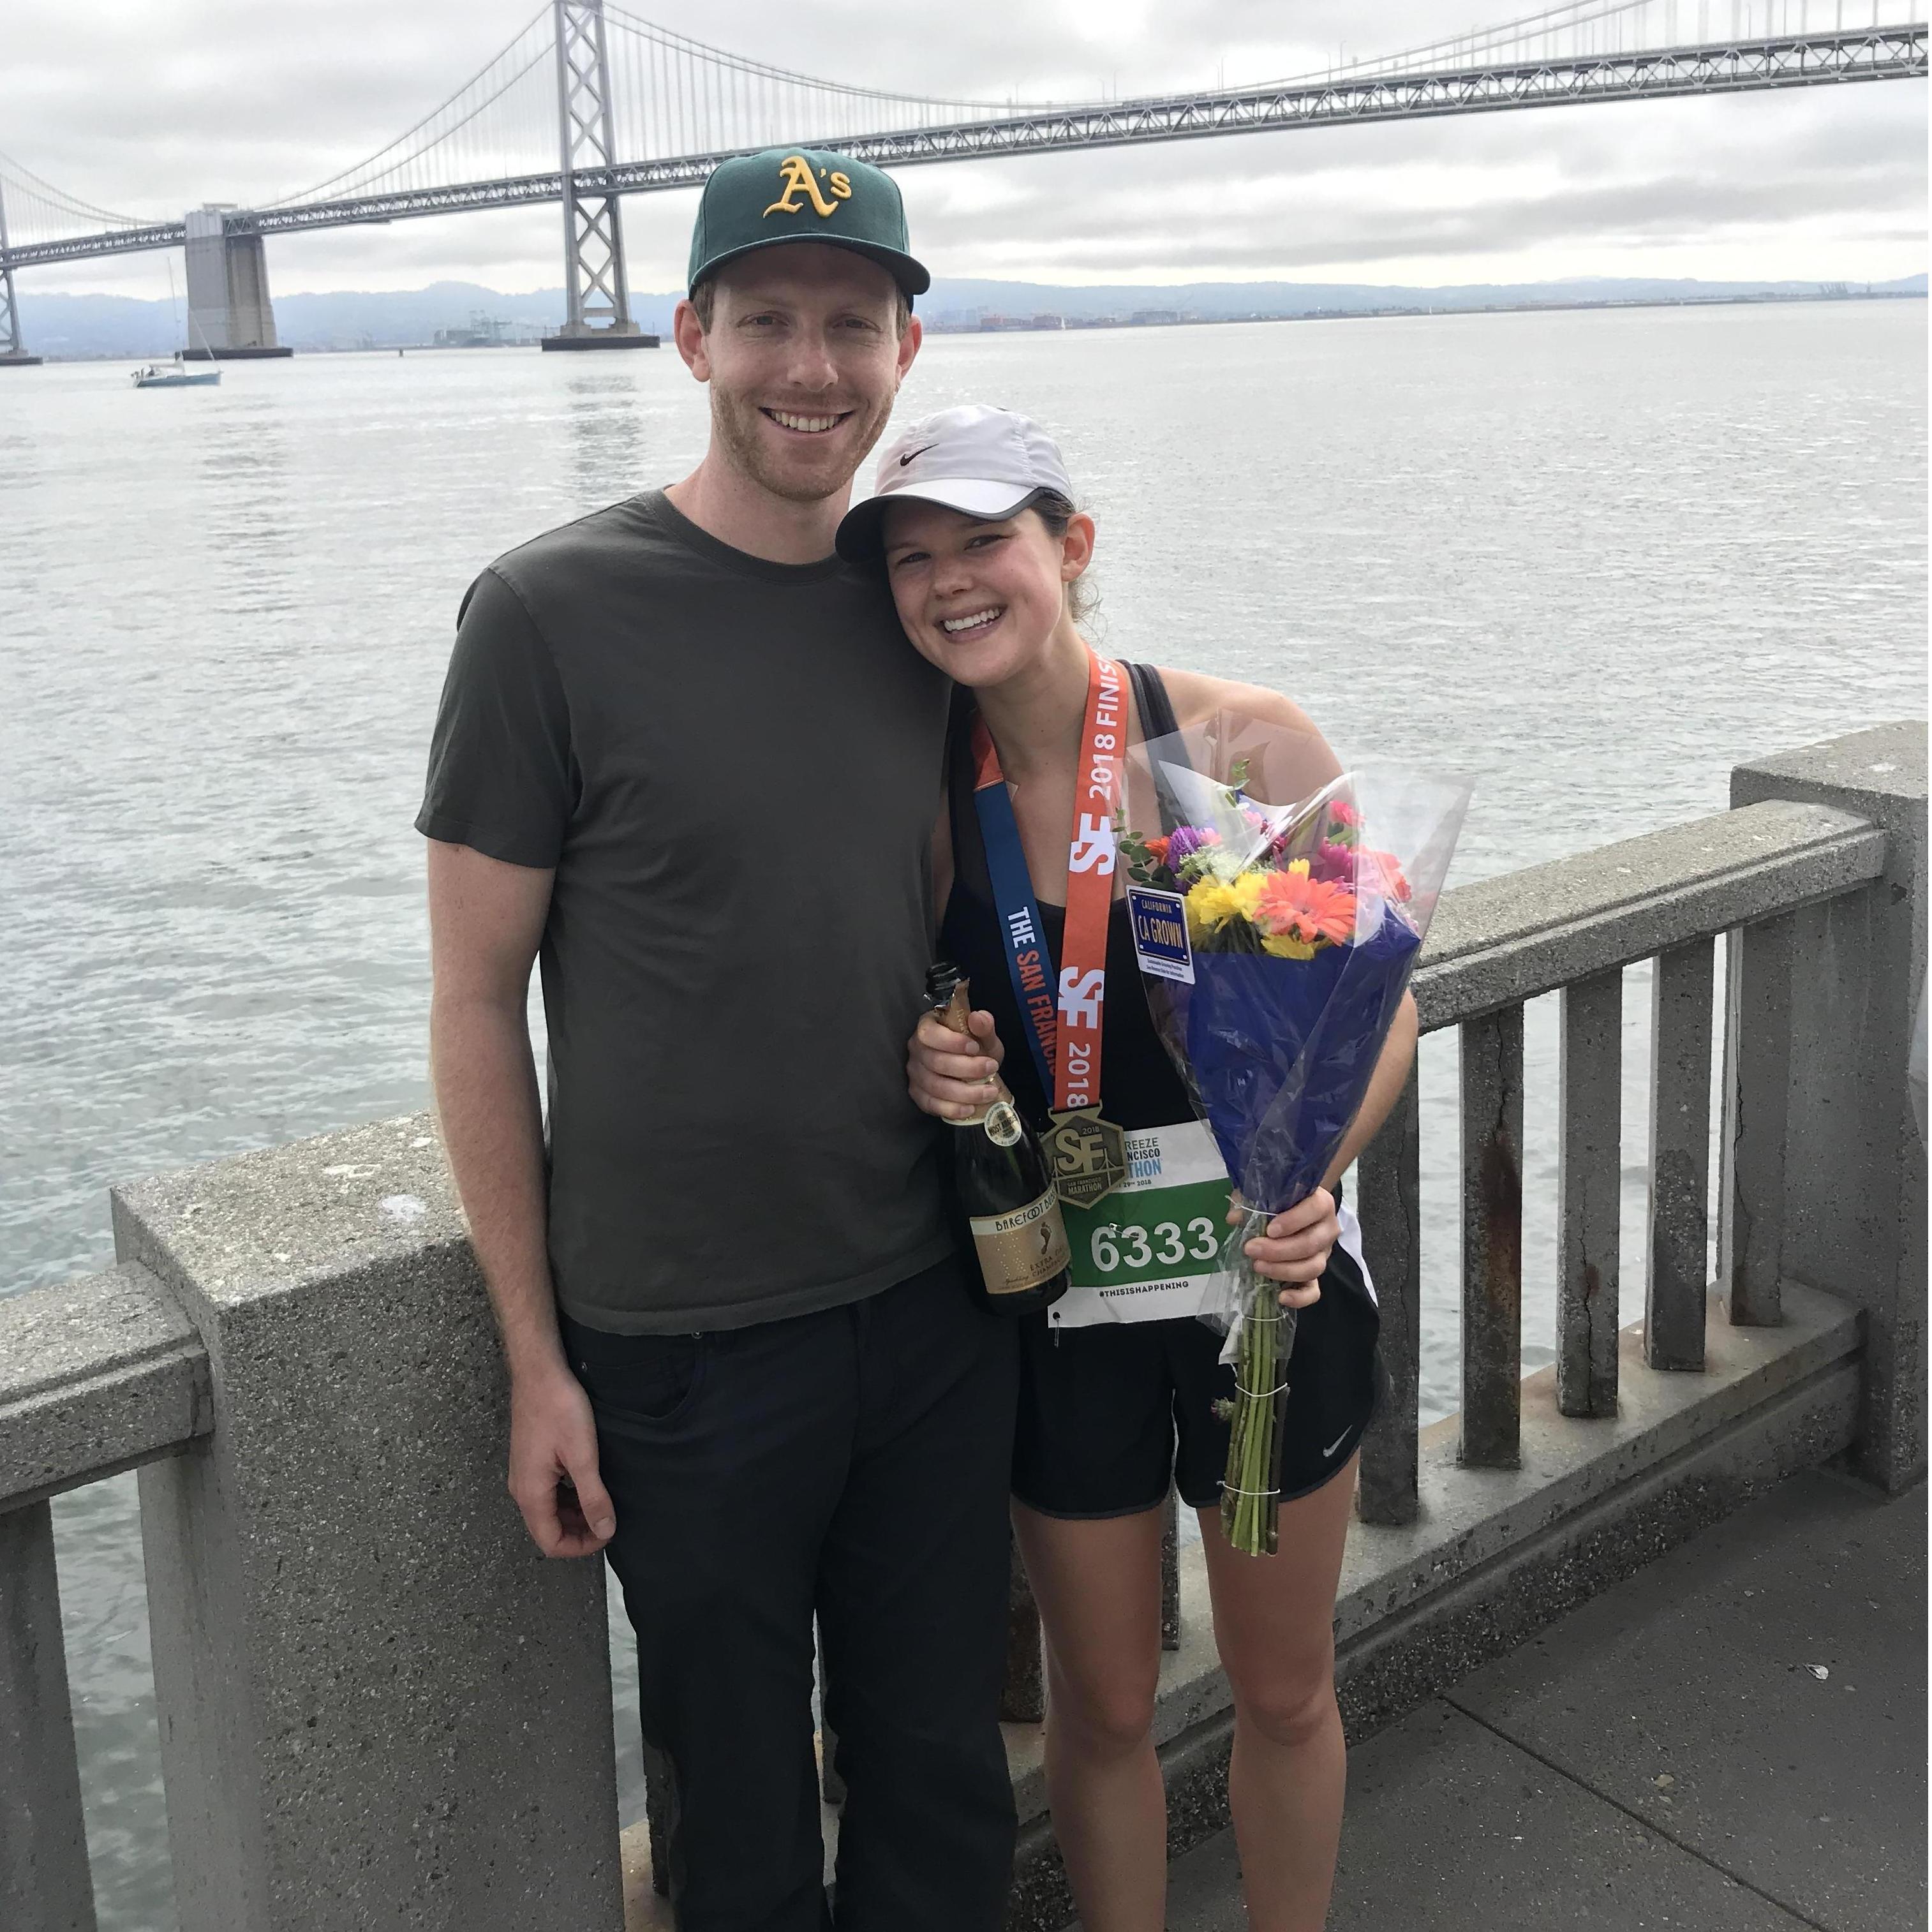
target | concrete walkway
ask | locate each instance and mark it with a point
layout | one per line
(1734, 1740)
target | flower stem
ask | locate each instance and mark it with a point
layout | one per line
(1250, 1495)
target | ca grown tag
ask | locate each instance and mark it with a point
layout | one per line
(1159, 921)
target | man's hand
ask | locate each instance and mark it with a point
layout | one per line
(1296, 1247)
(553, 1464)
(952, 1074)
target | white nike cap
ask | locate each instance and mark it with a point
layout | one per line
(981, 461)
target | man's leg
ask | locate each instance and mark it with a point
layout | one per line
(725, 1455)
(912, 1610)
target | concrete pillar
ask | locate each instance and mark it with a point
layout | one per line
(228, 305)
(45, 1885)
(379, 1707)
(1854, 1203)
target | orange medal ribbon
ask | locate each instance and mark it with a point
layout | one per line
(1089, 1159)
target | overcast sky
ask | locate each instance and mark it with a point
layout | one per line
(150, 107)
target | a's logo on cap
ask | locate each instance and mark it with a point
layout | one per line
(795, 172)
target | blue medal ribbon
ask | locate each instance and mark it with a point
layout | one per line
(1022, 937)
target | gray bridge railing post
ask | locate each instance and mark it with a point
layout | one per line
(1492, 1420)
(1761, 959)
(1390, 1210)
(1680, 1156)
(380, 1708)
(1589, 1176)
(1853, 1165)
(45, 1885)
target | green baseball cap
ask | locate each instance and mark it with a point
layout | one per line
(803, 194)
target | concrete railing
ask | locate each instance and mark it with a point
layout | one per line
(379, 1708)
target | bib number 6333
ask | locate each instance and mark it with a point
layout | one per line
(1113, 1246)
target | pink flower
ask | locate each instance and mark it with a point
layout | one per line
(1334, 862)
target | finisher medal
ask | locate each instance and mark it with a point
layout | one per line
(1064, 1016)
(1089, 1156)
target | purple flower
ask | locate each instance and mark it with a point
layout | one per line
(1186, 840)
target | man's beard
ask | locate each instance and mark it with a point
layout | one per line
(737, 424)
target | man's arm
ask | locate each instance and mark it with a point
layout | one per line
(486, 922)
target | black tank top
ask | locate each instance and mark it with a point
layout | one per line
(1139, 1086)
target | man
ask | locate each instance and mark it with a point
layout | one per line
(686, 755)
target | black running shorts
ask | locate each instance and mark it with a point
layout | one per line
(1109, 1414)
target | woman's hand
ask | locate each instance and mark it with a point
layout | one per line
(953, 1075)
(1296, 1247)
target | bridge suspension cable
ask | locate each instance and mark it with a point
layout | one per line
(683, 96)
(37, 210)
(1586, 29)
(521, 134)
(674, 96)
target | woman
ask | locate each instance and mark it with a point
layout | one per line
(976, 530)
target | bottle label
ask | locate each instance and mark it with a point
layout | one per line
(1020, 1250)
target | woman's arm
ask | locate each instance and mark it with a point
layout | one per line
(1398, 1056)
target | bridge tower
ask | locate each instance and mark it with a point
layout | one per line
(593, 233)
(12, 350)
(229, 315)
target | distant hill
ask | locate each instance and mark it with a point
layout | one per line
(83, 326)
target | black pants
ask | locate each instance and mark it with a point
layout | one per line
(855, 1464)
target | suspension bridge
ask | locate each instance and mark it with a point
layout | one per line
(590, 103)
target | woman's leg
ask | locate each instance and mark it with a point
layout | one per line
(1098, 1586)
(1274, 1624)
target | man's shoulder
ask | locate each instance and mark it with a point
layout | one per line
(587, 555)
(617, 530)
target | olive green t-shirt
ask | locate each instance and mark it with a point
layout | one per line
(733, 767)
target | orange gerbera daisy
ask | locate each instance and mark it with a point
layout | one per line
(1294, 906)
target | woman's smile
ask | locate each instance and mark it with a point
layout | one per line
(974, 624)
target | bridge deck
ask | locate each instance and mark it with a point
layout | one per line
(1665, 1755)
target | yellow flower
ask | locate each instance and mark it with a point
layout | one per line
(1211, 905)
(1247, 893)
(1283, 947)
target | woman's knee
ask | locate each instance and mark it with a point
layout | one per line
(1288, 1707)
(1111, 1716)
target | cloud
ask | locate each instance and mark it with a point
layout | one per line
(243, 103)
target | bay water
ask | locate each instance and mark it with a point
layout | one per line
(1590, 559)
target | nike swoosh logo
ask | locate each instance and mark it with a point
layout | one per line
(904, 460)
(1337, 1443)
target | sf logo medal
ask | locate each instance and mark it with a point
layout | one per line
(1089, 1155)
(795, 177)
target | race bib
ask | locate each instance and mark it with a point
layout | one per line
(1150, 1250)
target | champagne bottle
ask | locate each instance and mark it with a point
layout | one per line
(1003, 1183)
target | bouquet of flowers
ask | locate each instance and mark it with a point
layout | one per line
(1302, 919)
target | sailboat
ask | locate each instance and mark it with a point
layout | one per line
(177, 374)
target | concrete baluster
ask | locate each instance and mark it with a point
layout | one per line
(1757, 1103)
(45, 1885)
(1492, 1240)
(1589, 1174)
(1388, 1182)
(381, 1707)
(1854, 1198)
(1680, 1157)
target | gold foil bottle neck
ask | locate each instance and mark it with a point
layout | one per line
(958, 1011)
